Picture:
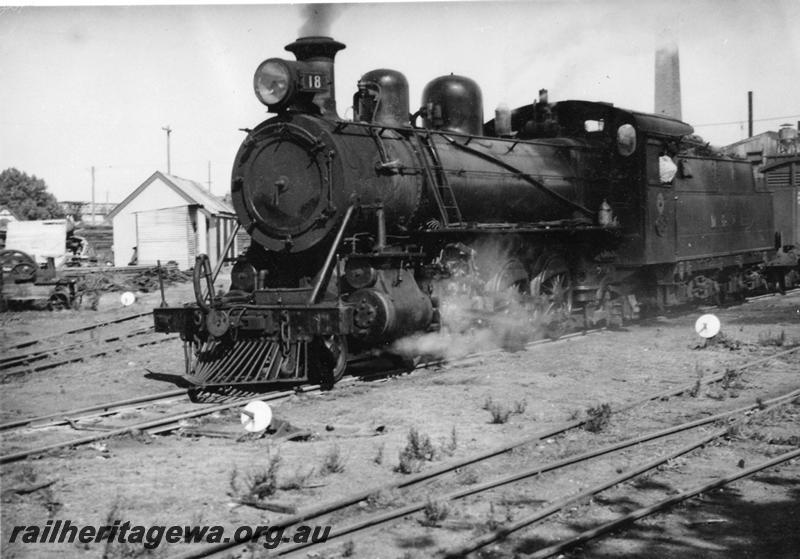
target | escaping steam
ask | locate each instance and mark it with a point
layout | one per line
(485, 304)
(469, 327)
(318, 19)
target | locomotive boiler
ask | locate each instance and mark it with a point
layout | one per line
(365, 230)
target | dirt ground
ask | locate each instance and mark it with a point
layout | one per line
(360, 429)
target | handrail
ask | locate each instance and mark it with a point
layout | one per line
(325, 273)
(538, 184)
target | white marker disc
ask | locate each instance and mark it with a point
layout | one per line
(127, 298)
(258, 416)
(707, 326)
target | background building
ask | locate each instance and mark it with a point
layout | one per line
(6, 215)
(169, 218)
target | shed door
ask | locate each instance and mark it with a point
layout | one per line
(165, 235)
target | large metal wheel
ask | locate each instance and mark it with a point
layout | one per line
(18, 265)
(511, 278)
(512, 322)
(58, 301)
(553, 284)
(552, 287)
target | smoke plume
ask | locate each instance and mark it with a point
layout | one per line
(318, 19)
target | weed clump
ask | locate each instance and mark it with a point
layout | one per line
(122, 549)
(770, 339)
(500, 414)
(418, 449)
(449, 446)
(731, 379)
(334, 462)
(256, 485)
(435, 512)
(349, 548)
(598, 418)
(698, 384)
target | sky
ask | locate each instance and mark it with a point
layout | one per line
(94, 86)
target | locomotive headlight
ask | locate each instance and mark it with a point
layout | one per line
(273, 82)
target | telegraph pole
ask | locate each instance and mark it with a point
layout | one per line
(168, 130)
(92, 194)
(209, 176)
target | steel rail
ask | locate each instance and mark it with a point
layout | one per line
(171, 422)
(557, 506)
(53, 364)
(553, 466)
(164, 424)
(338, 504)
(661, 505)
(14, 360)
(101, 409)
(27, 343)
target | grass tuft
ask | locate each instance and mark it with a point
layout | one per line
(598, 418)
(418, 449)
(769, 339)
(334, 462)
(435, 512)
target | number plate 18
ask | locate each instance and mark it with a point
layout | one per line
(313, 82)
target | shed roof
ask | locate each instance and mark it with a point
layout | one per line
(7, 213)
(191, 191)
(777, 162)
(754, 139)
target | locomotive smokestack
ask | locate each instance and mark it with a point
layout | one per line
(319, 53)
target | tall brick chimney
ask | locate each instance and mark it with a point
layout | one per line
(668, 81)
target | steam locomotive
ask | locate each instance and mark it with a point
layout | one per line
(371, 230)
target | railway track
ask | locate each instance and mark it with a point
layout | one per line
(553, 508)
(39, 339)
(339, 505)
(660, 506)
(162, 424)
(165, 425)
(40, 357)
(74, 353)
(560, 505)
(155, 426)
(173, 422)
(78, 344)
(90, 412)
(21, 359)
